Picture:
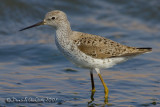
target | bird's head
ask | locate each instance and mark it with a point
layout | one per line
(54, 18)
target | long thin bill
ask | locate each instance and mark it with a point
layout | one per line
(37, 24)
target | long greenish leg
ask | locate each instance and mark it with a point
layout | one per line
(92, 80)
(104, 84)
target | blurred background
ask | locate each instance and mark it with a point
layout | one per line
(31, 65)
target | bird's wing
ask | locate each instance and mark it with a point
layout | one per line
(101, 48)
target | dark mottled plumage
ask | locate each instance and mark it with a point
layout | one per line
(101, 48)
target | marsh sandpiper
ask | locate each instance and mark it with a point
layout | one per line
(86, 50)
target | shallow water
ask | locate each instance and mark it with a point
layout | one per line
(31, 66)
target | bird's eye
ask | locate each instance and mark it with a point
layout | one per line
(53, 18)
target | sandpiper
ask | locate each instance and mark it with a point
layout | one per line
(86, 50)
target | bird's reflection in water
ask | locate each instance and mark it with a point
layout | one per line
(91, 104)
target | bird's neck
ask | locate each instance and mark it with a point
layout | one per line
(63, 31)
(63, 34)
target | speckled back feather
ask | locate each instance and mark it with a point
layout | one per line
(101, 48)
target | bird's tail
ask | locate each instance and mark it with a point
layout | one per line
(145, 50)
